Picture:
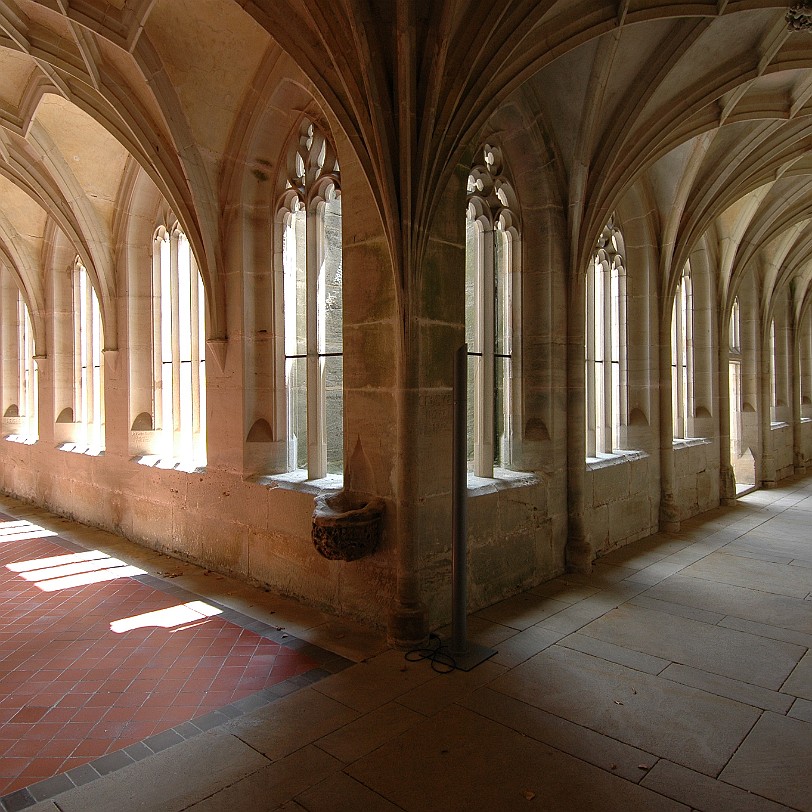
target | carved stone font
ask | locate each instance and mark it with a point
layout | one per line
(345, 527)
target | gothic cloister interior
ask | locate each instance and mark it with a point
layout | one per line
(240, 243)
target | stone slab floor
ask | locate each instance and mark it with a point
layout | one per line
(678, 676)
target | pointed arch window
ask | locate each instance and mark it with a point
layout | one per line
(27, 394)
(309, 228)
(735, 380)
(606, 343)
(88, 373)
(178, 349)
(20, 395)
(682, 354)
(491, 264)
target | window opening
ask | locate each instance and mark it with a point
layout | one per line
(735, 382)
(87, 361)
(179, 354)
(312, 311)
(606, 343)
(682, 378)
(491, 259)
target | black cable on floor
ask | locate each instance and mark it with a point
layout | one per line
(442, 661)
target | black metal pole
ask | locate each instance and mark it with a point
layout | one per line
(459, 507)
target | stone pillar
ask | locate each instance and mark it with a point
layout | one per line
(799, 465)
(727, 476)
(767, 456)
(669, 510)
(579, 551)
(433, 313)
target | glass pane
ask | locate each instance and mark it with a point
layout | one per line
(474, 363)
(615, 316)
(184, 444)
(334, 412)
(184, 302)
(599, 311)
(501, 412)
(502, 292)
(471, 269)
(330, 301)
(166, 305)
(296, 389)
(294, 239)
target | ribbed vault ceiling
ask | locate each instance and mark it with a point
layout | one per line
(706, 106)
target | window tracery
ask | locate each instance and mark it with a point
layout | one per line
(309, 214)
(491, 264)
(682, 355)
(606, 343)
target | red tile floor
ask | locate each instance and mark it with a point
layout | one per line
(93, 660)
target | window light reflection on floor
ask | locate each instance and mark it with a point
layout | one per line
(22, 531)
(184, 614)
(66, 571)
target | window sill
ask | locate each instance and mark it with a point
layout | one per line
(298, 481)
(688, 442)
(778, 424)
(502, 480)
(168, 464)
(616, 458)
(79, 448)
(19, 438)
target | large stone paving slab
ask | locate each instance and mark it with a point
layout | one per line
(775, 760)
(681, 723)
(459, 760)
(711, 648)
(739, 601)
(796, 582)
(800, 680)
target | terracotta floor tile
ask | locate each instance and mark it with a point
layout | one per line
(73, 689)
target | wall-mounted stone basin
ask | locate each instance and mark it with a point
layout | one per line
(347, 527)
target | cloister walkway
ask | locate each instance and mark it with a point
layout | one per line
(677, 676)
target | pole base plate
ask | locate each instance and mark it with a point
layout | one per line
(471, 655)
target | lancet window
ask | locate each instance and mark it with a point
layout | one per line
(682, 354)
(179, 349)
(606, 343)
(309, 224)
(491, 265)
(88, 372)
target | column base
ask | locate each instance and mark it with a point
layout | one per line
(407, 626)
(669, 521)
(579, 554)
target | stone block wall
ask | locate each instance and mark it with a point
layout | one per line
(696, 464)
(622, 504)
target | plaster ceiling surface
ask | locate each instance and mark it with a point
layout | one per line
(15, 72)
(23, 220)
(705, 105)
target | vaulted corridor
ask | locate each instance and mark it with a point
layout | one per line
(677, 676)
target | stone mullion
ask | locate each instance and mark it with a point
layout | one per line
(157, 343)
(316, 400)
(608, 405)
(174, 305)
(483, 445)
(589, 368)
(621, 329)
(194, 327)
(689, 406)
